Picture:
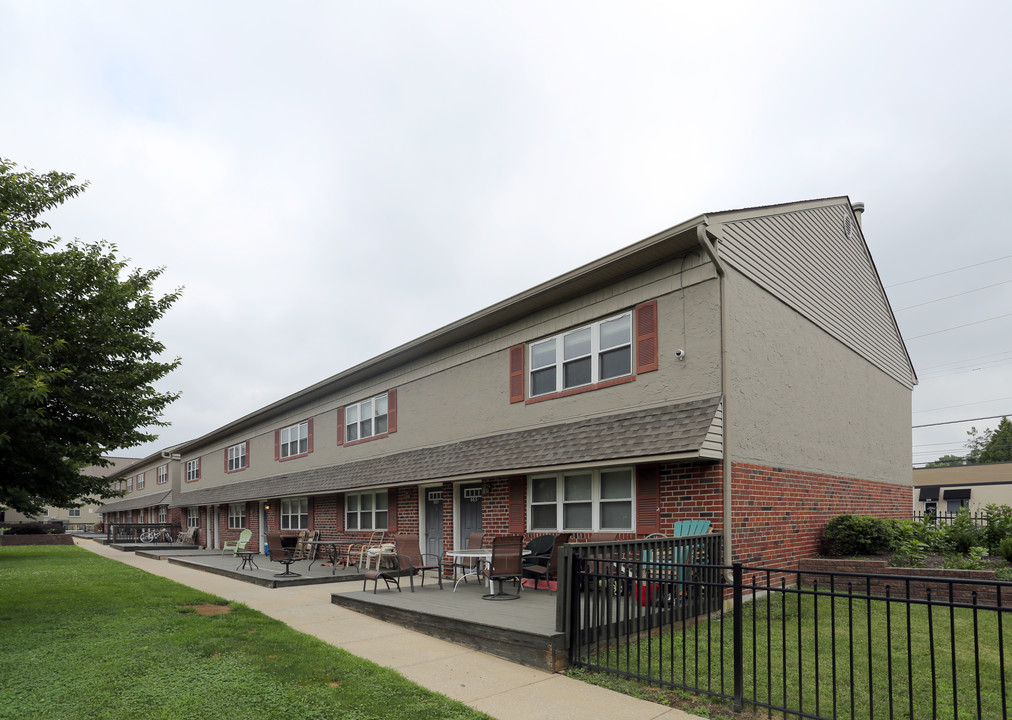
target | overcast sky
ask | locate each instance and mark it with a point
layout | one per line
(329, 180)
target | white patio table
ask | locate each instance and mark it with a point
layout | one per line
(480, 554)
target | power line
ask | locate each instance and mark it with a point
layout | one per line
(968, 360)
(956, 422)
(950, 407)
(949, 297)
(957, 327)
(946, 272)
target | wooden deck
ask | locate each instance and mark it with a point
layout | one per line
(519, 630)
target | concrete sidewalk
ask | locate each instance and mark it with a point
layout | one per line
(494, 686)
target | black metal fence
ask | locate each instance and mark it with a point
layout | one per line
(979, 519)
(137, 532)
(799, 644)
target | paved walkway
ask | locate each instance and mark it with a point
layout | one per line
(492, 685)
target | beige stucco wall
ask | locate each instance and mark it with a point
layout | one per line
(800, 399)
(462, 392)
(989, 483)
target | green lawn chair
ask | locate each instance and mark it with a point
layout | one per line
(237, 546)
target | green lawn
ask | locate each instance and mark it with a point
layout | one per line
(82, 636)
(801, 652)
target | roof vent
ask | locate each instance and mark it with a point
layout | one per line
(858, 211)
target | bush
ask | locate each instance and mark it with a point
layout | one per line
(1005, 548)
(999, 525)
(858, 535)
(963, 533)
(974, 560)
(34, 528)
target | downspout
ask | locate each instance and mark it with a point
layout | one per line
(706, 238)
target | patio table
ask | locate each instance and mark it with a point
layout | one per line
(332, 548)
(480, 554)
(247, 560)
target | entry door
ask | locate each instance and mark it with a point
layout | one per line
(470, 512)
(434, 522)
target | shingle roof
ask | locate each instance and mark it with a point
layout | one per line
(136, 503)
(634, 435)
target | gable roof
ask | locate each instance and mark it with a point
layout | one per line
(669, 432)
(135, 503)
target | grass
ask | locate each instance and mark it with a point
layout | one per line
(85, 637)
(798, 648)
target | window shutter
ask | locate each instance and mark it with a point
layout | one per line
(392, 411)
(516, 505)
(339, 513)
(247, 453)
(517, 356)
(392, 510)
(340, 426)
(648, 497)
(646, 337)
(277, 444)
(226, 459)
(310, 433)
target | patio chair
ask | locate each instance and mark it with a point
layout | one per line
(468, 565)
(391, 576)
(407, 544)
(541, 550)
(304, 551)
(507, 550)
(551, 568)
(237, 546)
(683, 528)
(280, 553)
(187, 536)
(358, 550)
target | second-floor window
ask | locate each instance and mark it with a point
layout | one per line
(294, 440)
(193, 470)
(140, 481)
(163, 474)
(366, 419)
(591, 354)
(236, 458)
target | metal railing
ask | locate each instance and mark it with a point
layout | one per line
(131, 532)
(979, 519)
(813, 644)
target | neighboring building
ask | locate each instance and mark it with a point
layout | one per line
(744, 367)
(946, 490)
(82, 518)
(149, 485)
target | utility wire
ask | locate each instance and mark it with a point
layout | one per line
(957, 327)
(946, 272)
(949, 297)
(950, 407)
(969, 360)
(956, 422)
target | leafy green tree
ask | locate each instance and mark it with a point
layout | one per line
(946, 461)
(77, 357)
(990, 446)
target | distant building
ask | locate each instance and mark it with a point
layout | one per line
(947, 489)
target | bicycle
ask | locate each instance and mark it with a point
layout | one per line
(159, 534)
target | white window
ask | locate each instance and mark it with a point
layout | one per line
(163, 474)
(236, 516)
(130, 484)
(588, 500)
(295, 513)
(365, 419)
(589, 355)
(140, 481)
(75, 512)
(162, 512)
(237, 457)
(193, 470)
(366, 511)
(294, 440)
(192, 517)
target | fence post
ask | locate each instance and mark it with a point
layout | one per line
(739, 651)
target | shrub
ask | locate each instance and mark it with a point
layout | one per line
(963, 533)
(998, 527)
(1005, 548)
(910, 553)
(974, 560)
(858, 535)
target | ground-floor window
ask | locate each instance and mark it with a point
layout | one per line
(366, 511)
(192, 517)
(295, 513)
(582, 500)
(236, 516)
(162, 511)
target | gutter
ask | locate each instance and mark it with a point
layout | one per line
(706, 238)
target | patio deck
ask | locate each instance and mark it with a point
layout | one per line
(519, 630)
(213, 561)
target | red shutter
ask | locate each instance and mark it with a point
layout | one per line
(247, 453)
(392, 411)
(310, 431)
(199, 463)
(277, 445)
(339, 510)
(226, 459)
(392, 510)
(517, 356)
(646, 337)
(340, 426)
(516, 505)
(648, 498)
